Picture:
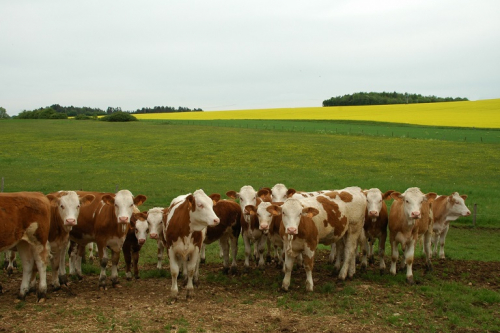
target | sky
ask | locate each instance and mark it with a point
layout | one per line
(235, 55)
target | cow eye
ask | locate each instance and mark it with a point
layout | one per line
(62, 207)
(147, 230)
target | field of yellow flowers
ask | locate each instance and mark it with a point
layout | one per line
(478, 114)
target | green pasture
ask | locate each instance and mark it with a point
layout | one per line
(162, 160)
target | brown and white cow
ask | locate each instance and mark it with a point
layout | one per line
(409, 219)
(25, 224)
(340, 218)
(65, 208)
(105, 221)
(135, 239)
(250, 230)
(156, 217)
(446, 208)
(376, 221)
(226, 232)
(299, 235)
(185, 228)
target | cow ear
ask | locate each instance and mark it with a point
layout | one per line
(215, 197)
(191, 202)
(232, 195)
(108, 199)
(397, 196)
(430, 196)
(310, 212)
(275, 210)
(250, 210)
(290, 192)
(263, 192)
(365, 192)
(87, 200)
(139, 200)
(54, 201)
(387, 195)
(463, 196)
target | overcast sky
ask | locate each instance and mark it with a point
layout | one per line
(232, 55)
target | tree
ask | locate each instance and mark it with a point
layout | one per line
(3, 113)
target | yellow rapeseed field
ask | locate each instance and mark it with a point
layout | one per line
(482, 114)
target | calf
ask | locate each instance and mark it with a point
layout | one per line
(446, 208)
(299, 235)
(25, 224)
(105, 222)
(135, 239)
(65, 209)
(156, 217)
(250, 224)
(185, 229)
(376, 221)
(408, 221)
(226, 232)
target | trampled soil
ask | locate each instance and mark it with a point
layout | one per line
(249, 302)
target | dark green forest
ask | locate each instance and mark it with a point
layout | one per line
(383, 98)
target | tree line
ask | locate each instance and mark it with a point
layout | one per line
(57, 111)
(383, 98)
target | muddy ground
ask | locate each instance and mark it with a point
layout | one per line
(249, 302)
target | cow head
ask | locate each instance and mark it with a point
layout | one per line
(68, 205)
(264, 216)
(412, 200)
(139, 222)
(155, 222)
(279, 193)
(457, 207)
(247, 196)
(374, 201)
(201, 212)
(124, 203)
(292, 213)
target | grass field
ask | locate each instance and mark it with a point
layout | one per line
(478, 114)
(162, 160)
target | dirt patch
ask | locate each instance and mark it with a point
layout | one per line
(249, 302)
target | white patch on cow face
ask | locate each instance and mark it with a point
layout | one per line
(264, 216)
(155, 222)
(412, 203)
(124, 206)
(458, 208)
(279, 193)
(203, 214)
(141, 230)
(374, 202)
(247, 197)
(291, 213)
(69, 208)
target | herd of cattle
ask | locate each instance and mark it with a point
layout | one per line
(288, 223)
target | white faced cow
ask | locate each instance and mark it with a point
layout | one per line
(185, 228)
(156, 216)
(408, 221)
(446, 208)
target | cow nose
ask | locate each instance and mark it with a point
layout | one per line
(291, 230)
(123, 219)
(264, 226)
(216, 221)
(373, 213)
(468, 213)
(70, 222)
(154, 236)
(415, 215)
(142, 241)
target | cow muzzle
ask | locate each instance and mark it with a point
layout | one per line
(71, 222)
(291, 230)
(123, 219)
(141, 241)
(153, 236)
(415, 215)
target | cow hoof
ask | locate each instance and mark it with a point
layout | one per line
(225, 270)
(382, 272)
(137, 277)
(371, 261)
(129, 278)
(410, 280)
(429, 269)
(10, 271)
(269, 259)
(63, 279)
(103, 288)
(234, 270)
(247, 269)
(284, 289)
(42, 299)
(56, 288)
(202, 260)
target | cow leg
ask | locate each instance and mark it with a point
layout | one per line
(248, 249)
(308, 266)
(339, 249)
(56, 262)
(224, 246)
(409, 254)
(191, 265)
(270, 252)
(62, 277)
(27, 261)
(161, 248)
(174, 272)
(135, 260)
(331, 258)
(114, 267)
(442, 240)
(381, 251)
(40, 255)
(434, 244)
(261, 247)
(394, 256)
(103, 259)
(427, 250)
(127, 255)
(289, 260)
(202, 252)
(234, 254)
(10, 261)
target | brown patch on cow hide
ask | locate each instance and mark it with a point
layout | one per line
(334, 216)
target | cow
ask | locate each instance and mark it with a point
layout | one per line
(226, 232)
(25, 224)
(340, 218)
(156, 216)
(184, 230)
(409, 220)
(249, 223)
(105, 221)
(299, 235)
(446, 208)
(65, 208)
(376, 221)
(135, 239)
